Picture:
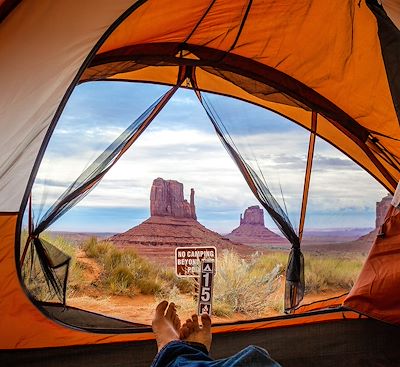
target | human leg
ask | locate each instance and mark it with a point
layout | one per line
(192, 351)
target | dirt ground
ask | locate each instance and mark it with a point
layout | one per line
(140, 308)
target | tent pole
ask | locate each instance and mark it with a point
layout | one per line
(30, 228)
(307, 178)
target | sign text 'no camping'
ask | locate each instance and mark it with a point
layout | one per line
(188, 259)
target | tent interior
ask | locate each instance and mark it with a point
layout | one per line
(302, 121)
(180, 143)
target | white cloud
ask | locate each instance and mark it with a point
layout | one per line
(194, 156)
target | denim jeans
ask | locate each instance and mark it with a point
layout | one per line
(182, 354)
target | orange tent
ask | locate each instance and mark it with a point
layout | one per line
(330, 67)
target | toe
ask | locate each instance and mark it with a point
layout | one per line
(206, 321)
(189, 324)
(177, 323)
(160, 309)
(171, 312)
(184, 332)
(195, 320)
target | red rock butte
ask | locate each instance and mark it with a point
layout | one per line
(173, 222)
(167, 200)
(252, 230)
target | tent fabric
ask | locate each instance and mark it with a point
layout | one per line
(22, 325)
(6, 7)
(376, 291)
(343, 342)
(294, 57)
(389, 36)
(54, 265)
(342, 53)
(53, 262)
(42, 48)
(333, 302)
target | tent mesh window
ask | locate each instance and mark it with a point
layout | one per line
(46, 272)
(239, 146)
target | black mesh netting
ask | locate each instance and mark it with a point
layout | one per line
(53, 262)
(237, 143)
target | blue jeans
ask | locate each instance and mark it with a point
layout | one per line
(181, 354)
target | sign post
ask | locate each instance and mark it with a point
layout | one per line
(198, 262)
(206, 281)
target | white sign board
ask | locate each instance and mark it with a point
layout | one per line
(188, 259)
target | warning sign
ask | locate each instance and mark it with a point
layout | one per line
(188, 259)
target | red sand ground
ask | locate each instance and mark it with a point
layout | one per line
(140, 308)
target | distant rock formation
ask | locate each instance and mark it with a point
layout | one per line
(252, 215)
(252, 230)
(173, 223)
(382, 208)
(167, 200)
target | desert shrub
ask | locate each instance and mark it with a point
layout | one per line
(184, 304)
(149, 286)
(120, 280)
(330, 273)
(242, 286)
(265, 263)
(221, 309)
(323, 273)
(125, 272)
(96, 249)
(185, 285)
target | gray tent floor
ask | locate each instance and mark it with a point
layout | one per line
(362, 342)
(87, 320)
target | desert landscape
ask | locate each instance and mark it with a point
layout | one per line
(125, 275)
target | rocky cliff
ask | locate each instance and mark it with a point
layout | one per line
(252, 229)
(252, 215)
(382, 208)
(172, 223)
(167, 200)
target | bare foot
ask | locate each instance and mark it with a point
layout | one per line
(191, 331)
(165, 325)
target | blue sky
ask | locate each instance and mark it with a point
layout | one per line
(180, 144)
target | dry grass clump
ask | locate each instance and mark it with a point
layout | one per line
(96, 249)
(323, 273)
(127, 273)
(221, 309)
(185, 304)
(331, 273)
(243, 286)
(124, 271)
(267, 262)
(184, 285)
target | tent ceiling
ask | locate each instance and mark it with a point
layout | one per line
(291, 57)
(323, 56)
(42, 48)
